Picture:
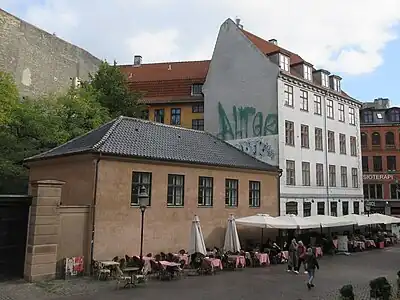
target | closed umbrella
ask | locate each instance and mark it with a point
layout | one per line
(232, 242)
(197, 244)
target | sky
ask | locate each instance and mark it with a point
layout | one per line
(358, 39)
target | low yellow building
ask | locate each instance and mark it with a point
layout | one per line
(185, 172)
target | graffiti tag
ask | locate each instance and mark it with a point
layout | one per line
(256, 148)
(247, 122)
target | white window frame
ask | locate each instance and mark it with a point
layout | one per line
(352, 116)
(324, 79)
(288, 92)
(284, 62)
(336, 85)
(303, 100)
(329, 108)
(341, 112)
(317, 105)
(307, 70)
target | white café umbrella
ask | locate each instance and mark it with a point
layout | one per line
(330, 221)
(258, 220)
(197, 244)
(384, 219)
(295, 222)
(360, 220)
(232, 242)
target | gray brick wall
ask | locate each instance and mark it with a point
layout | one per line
(40, 62)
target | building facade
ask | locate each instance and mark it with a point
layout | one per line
(185, 173)
(277, 107)
(380, 144)
(171, 91)
(40, 62)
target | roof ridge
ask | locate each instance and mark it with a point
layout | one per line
(168, 62)
(108, 133)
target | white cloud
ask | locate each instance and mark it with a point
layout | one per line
(342, 36)
(156, 46)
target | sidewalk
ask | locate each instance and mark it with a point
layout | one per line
(20, 290)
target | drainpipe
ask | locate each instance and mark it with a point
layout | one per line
(93, 208)
(279, 190)
(326, 153)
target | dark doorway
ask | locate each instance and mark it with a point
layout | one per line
(14, 216)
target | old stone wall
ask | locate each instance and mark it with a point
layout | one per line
(41, 62)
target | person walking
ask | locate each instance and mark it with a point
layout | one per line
(311, 264)
(292, 261)
(301, 253)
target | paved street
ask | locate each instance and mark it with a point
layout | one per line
(272, 281)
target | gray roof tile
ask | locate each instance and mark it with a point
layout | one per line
(138, 138)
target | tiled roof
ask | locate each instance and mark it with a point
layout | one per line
(129, 137)
(172, 79)
(167, 71)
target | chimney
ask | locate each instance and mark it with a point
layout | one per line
(137, 60)
(237, 20)
(273, 41)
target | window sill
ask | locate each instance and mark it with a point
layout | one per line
(175, 206)
(290, 106)
(317, 114)
(228, 206)
(291, 145)
(253, 207)
(204, 206)
(138, 206)
(304, 110)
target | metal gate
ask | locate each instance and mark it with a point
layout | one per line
(14, 217)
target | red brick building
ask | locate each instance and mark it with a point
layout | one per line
(380, 142)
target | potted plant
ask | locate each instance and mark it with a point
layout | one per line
(380, 288)
(346, 292)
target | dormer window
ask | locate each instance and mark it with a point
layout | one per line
(284, 62)
(336, 84)
(197, 89)
(307, 70)
(324, 79)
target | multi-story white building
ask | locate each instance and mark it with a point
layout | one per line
(276, 106)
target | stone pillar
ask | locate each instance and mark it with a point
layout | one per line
(43, 231)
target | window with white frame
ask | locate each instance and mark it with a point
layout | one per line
(290, 172)
(353, 146)
(305, 172)
(342, 143)
(336, 84)
(319, 144)
(332, 175)
(306, 209)
(352, 116)
(343, 176)
(319, 171)
(304, 100)
(324, 80)
(292, 208)
(354, 177)
(284, 62)
(341, 112)
(317, 105)
(288, 95)
(307, 72)
(329, 107)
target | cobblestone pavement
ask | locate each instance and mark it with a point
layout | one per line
(269, 283)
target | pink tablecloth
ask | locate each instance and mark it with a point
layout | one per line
(335, 243)
(165, 263)
(215, 262)
(240, 260)
(285, 254)
(263, 258)
(318, 252)
(370, 243)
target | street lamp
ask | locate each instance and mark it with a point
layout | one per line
(143, 202)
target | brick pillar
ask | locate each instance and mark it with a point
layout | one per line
(43, 231)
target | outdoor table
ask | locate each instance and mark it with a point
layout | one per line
(131, 271)
(240, 260)
(109, 265)
(263, 258)
(318, 252)
(370, 243)
(215, 262)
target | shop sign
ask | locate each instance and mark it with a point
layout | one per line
(378, 177)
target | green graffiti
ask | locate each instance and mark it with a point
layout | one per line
(242, 119)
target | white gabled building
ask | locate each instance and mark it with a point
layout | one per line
(277, 107)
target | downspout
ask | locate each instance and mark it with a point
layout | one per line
(93, 208)
(326, 154)
(279, 191)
